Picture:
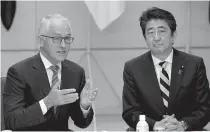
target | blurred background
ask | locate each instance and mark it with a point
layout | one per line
(109, 47)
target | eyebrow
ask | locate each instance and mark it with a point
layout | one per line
(160, 27)
(60, 34)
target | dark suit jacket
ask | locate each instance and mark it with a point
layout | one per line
(27, 83)
(189, 91)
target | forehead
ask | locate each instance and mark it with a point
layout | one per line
(59, 27)
(156, 23)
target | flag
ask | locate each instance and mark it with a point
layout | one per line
(105, 12)
(8, 9)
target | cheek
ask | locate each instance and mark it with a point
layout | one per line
(67, 48)
(168, 41)
(47, 49)
(53, 50)
(149, 42)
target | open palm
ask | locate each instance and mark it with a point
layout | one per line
(87, 95)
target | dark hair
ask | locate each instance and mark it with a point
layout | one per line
(157, 13)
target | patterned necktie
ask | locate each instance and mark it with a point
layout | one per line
(55, 75)
(54, 79)
(164, 84)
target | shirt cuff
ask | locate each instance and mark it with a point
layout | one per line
(43, 107)
(85, 112)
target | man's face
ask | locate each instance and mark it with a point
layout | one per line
(158, 37)
(56, 52)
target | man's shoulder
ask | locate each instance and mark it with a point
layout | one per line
(72, 65)
(138, 59)
(189, 57)
(24, 63)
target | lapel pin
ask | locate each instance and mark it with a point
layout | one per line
(181, 70)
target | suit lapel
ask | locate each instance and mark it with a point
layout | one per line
(175, 77)
(66, 76)
(41, 76)
(153, 85)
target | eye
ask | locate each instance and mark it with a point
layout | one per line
(150, 32)
(57, 38)
(162, 31)
(67, 37)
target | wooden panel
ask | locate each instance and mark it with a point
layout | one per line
(10, 58)
(200, 26)
(22, 32)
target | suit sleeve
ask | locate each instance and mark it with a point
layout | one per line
(200, 116)
(18, 113)
(77, 116)
(131, 106)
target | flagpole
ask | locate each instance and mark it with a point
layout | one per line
(88, 51)
(99, 10)
(187, 46)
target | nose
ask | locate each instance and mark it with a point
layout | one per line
(156, 36)
(63, 44)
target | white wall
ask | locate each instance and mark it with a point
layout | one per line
(121, 41)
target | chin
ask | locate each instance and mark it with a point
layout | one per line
(158, 50)
(60, 59)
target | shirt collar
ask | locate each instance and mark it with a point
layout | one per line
(47, 63)
(156, 61)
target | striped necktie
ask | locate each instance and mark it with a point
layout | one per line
(55, 74)
(164, 84)
(54, 79)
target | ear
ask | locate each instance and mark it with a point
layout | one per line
(40, 40)
(174, 35)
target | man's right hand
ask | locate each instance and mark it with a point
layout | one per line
(58, 97)
(159, 126)
(163, 124)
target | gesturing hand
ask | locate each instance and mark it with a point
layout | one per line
(87, 95)
(58, 97)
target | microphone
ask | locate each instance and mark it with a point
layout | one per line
(181, 70)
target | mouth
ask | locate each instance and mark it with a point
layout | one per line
(61, 52)
(158, 45)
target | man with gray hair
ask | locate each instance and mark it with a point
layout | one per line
(43, 91)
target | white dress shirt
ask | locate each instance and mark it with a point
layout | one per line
(47, 65)
(158, 68)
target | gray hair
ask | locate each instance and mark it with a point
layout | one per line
(45, 22)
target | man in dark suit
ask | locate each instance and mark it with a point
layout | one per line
(170, 87)
(43, 91)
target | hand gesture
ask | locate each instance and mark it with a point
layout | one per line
(87, 95)
(58, 97)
